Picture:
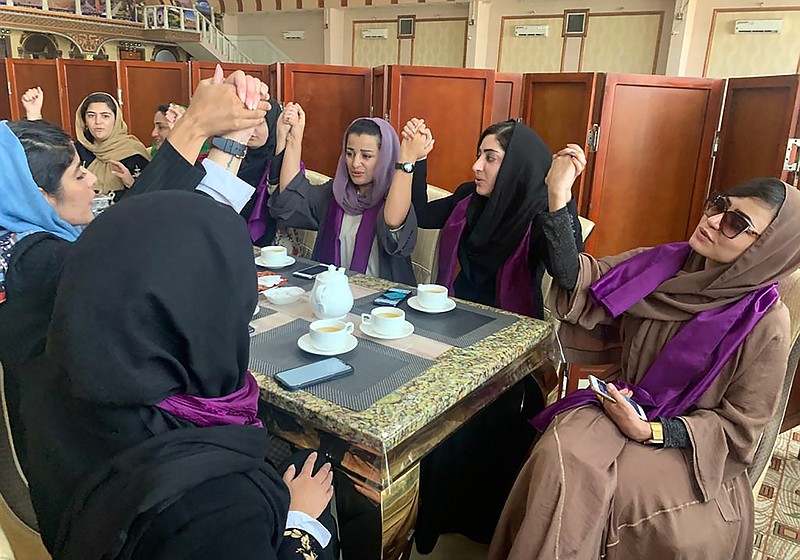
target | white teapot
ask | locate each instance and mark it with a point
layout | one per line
(331, 298)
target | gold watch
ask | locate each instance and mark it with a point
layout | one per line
(657, 429)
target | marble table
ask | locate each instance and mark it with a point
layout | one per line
(378, 451)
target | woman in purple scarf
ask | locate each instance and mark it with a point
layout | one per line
(348, 211)
(700, 340)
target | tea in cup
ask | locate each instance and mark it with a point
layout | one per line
(432, 296)
(273, 255)
(329, 334)
(387, 321)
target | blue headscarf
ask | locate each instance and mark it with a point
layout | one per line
(23, 209)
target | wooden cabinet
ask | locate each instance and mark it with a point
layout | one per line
(332, 97)
(561, 108)
(200, 70)
(5, 100)
(761, 116)
(456, 104)
(507, 100)
(145, 86)
(80, 78)
(652, 167)
(24, 74)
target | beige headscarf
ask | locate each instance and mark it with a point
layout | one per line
(118, 146)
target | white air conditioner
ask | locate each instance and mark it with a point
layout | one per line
(531, 30)
(294, 35)
(375, 33)
(758, 26)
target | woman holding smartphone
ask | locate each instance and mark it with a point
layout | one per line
(701, 340)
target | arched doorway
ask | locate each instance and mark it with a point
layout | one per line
(39, 47)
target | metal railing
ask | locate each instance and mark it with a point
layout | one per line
(177, 18)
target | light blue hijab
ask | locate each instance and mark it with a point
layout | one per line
(23, 209)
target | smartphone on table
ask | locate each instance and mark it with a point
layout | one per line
(601, 390)
(310, 272)
(311, 374)
(392, 297)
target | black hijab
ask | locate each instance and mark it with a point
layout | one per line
(154, 300)
(497, 224)
(257, 159)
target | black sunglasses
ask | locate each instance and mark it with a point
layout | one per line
(733, 222)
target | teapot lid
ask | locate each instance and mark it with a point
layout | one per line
(332, 273)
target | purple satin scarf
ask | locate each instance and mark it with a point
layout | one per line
(239, 408)
(330, 246)
(259, 219)
(513, 288)
(689, 362)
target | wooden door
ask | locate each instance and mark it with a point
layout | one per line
(760, 116)
(5, 100)
(145, 86)
(456, 104)
(332, 97)
(653, 160)
(24, 74)
(80, 78)
(507, 101)
(274, 80)
(201, 69)
(562, 108)
(380, 92)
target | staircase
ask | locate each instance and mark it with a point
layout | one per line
(193, 32)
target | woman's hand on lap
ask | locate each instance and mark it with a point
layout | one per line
(624, 416)
(309, 493)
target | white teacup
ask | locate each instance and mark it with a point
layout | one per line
(387, 321)
(273, 255)
(432, 296)
(329, 334)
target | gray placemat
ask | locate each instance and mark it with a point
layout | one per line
(379, 369)
(463, 326)
(263, 312)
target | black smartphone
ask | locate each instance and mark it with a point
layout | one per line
(392, 297)
(310, 272)
(311, 374)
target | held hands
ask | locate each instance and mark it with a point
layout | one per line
(309, 494)
(123, 173)
(567, 165)
(230, 107)
(292, 123)
(624, 416)
(174, 114)
(417, 141)
(32, 101)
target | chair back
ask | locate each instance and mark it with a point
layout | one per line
(790, 295)
(425, 258)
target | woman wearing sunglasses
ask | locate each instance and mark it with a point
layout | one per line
(700, 340)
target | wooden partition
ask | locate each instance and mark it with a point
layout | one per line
(456, 104)
(507, 102)
(5, 100)
(653, 160)
(24, 74)
(274, 81)
(80, 78)
(562, 108)
(201, 69)
(760, 116)
(145, 86)
(332, 97)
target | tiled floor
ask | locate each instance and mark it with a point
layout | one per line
(778, 504)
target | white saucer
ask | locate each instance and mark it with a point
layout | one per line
(288, 262)
(414, 303)
(304, 342)
(257, 309)
(366, 328)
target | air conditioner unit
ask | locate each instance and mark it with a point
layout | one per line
(758, 26)
(375, 33)
(531, 30)
(294, 35)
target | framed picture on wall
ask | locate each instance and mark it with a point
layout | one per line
(575, 23)
(405, 27)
